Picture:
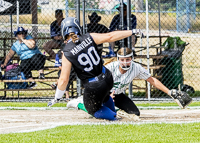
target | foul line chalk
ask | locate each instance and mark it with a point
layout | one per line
(65, 108)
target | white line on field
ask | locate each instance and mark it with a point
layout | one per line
(65, 108)
(19, 126)
(33, 108)
(180, 112)
(167, 107)
(53, 125)
(22, 116)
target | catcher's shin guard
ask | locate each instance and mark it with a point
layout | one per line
(181, 98)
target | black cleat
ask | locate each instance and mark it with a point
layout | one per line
(41, 76)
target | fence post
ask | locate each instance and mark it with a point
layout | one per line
(147, 28)
(83, 5)
(177, 16)
(11, 29)
(34, 17)
(17, 13)
(78, 10)
(4, 54)
(78, 17)
(121, 26)
(188, 20)
(129, 40)
(159, 26)
(66, 8)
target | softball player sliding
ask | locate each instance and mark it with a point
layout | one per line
(81, 52)
(124, 70)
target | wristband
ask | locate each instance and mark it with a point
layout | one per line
(59, 93)
(133, 31)
(169, 93)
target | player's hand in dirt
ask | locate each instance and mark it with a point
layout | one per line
(52, 102)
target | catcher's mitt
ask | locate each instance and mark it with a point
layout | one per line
(181, 98)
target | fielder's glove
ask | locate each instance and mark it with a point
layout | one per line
(52, 102)
(137, 32)
(181, 98)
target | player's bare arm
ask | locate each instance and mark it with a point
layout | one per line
(63, 81)
(155, 82)
(113, 36)
(8, 57)
(180, 97)
(64, 78)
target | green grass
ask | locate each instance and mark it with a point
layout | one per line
(44, 104)
(144, 133)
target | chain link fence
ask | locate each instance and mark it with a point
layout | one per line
(173, 28)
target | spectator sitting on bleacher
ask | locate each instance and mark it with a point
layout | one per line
(30, 56)
(55, 32)
(115, 25)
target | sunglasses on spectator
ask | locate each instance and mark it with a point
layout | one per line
(20, 33)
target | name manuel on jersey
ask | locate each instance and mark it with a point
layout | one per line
(81, 46)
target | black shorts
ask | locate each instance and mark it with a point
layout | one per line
(36, 62)
(97, 92)
(125, 103)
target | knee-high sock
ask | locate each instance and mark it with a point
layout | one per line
(105, 113)
(82, 107)
(110, 104)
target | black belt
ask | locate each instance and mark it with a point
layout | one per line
(97, 78)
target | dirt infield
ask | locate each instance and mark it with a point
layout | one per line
(32, 120)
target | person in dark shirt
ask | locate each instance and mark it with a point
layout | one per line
(55, 31)
(114, 25)
(94, 26)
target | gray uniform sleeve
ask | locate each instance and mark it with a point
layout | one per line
(143, 73)
(110, 66)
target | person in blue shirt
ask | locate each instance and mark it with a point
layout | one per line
(30, 56)
(114, 25)
(55, 31)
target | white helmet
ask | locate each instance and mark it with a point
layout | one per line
(124, 54)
